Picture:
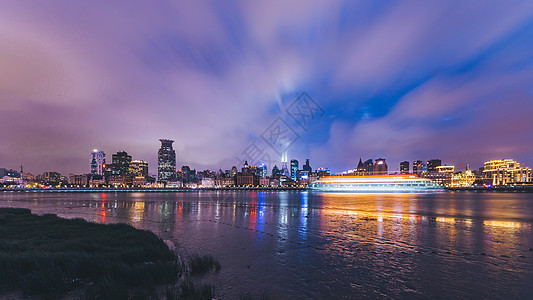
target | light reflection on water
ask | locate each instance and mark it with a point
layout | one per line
(312, 245)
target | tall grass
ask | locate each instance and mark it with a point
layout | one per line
(202, 264)
(49, 256)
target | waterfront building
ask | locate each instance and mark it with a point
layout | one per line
(97, 162)
(369, 167)
(139, 168)
(294, 170)
(225, 182)
(404, 167)
(433, 164)
(463, 179)
(360, 169)
(116, 180)
(208, 182)
(79, 180)
(245, 180)
(139, 181)
(321, 172)
(504, 171)
(418, 167)
(380, 167)
(51, 178)
(166, 157)
(121, 163)
(442, 175)
(264, 181)
(445, 169)
(10, 173)
(97, 181)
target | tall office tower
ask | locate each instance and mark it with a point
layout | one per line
(284, 165)
(294, 169)
(433, 164)
(166, 157)
(139, 168)
(369, 167)
(97, 162)
(264, 170)
(380, 167)
(121, 163)
(404, 167)
(417, 166)
(307, 167)
(276, 172)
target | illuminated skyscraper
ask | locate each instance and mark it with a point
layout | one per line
(294, 169)
(97, 162)
(121, 163)
(166, 156)
(433, 164)
(417, 167)
(368, 166)
(404, 167)
(284, 166)
(380, 167)
(139, 168)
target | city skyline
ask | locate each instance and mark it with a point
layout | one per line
(402, 81)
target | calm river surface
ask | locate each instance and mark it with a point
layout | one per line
(302, 245)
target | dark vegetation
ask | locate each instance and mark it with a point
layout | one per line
(49, 256)
(203, 264)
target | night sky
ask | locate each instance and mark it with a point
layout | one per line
(402, 80)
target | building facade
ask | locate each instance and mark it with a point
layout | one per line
(294, 170)
(418, 167)
(433, 164)
(166, 157)
(121, 163)
(97, 162)
(404, 167)
(504, 171)
(380, 167)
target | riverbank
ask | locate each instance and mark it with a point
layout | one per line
(48, 256)
(149, 190)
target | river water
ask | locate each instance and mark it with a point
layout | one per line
(307, 245)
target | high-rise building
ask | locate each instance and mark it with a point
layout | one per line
(275, 171)
(97, 162)
(307, 167)
(139, 168)
(294, 169)
(417, 166)
(263, 171)
(404, 167)
(380, 167)
(121, 163)
(284, 165)
(166, 157)
(369, 167)
(433, 164)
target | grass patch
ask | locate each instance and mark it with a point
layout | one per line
(49, 256)
(202, 264)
